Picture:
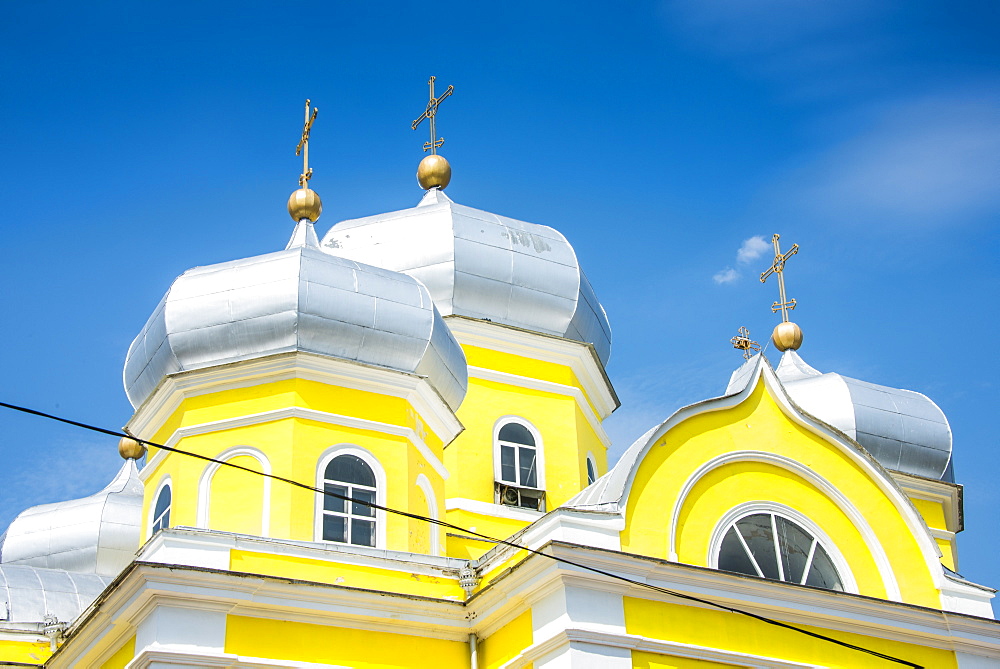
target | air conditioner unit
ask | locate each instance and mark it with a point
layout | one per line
(525, 498)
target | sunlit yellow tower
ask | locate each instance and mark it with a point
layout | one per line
(307, 366)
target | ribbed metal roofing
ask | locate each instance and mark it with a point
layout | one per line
(482, 265)
(299, 299)
(904, 430)
(98, 534)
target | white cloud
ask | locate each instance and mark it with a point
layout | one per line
(751, 249)
(727, 275)
(926, 162)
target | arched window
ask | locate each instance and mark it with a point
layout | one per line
(161, 511)
(591, 469)
(349, 522)
(517, 466)
(771, 546)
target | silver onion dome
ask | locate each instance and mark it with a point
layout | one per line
(478, 264)
(98, 534)
(904, 430)
(299, 299)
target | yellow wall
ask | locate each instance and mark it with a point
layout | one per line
(237, 497)
(294, 447)
(506, 643)
(758, 424)
(566, 435)
(727, 631)
(26, 652)
(345, 573)
(122, 656)
(303, 642)
(641, 660)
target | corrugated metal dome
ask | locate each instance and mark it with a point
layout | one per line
(299, 299)
(902, 429)
(482, 265)
(98, 534)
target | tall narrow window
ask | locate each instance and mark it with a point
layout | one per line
(591, 470)
(349, 522)
(770, 546)
(518, 480)
(161, 511)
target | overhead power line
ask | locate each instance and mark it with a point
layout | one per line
(479, 535)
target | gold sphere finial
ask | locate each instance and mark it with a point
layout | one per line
(130, 449)
(433, 172)
(787, 335)
(305, 203)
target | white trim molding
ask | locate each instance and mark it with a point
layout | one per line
(827, 488)
(205, 486)
(177, 387)
(547, 387)
(538, 446)
(427, 488)
(763, 506)
(305, 414)
(578, 356)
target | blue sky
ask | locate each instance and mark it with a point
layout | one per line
(142, 139)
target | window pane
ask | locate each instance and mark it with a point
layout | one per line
(365, 496)
(334, 528)
(162, 502)
(507, 469)
(528, 502)
(823, 574)
(526, 456)
(756, 531)
(516, 433)
(591, 472)
(362, 532)
(334, 503)
(350, 469)
(733, 557)
(795, 544)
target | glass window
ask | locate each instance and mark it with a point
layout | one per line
(770, 546)
(591, 471)
(518, 456)
(161, 511)
(343, 521)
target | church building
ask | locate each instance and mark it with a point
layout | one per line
(383, 447)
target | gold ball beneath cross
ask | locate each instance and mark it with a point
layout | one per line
(433, 172)
(130, 449)
(304, 203)
(787, 335)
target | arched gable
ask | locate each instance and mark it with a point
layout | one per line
(756, 445)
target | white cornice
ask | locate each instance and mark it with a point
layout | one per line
(949, 495)
(306, 414)
(549, 387)
(578, 356)
(493, 510)
(175, 388)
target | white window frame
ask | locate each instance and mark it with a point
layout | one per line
(745, 509)
(539, 453)
(205, 486)
(380, 491)
(165, 482)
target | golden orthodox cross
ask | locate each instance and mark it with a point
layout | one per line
(743, 342)
(429, 113)
(303, 147)
(778, 267)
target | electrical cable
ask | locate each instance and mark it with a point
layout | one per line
(445, 524)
